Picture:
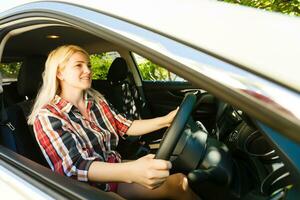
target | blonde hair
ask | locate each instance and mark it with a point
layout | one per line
(56, 60)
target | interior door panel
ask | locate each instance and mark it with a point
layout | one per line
(164, 96)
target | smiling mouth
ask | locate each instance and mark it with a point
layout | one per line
(85, 78)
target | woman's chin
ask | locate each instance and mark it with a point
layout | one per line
(86, 85)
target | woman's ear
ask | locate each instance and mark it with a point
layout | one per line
(60, 76)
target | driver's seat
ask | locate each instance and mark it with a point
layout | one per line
(124, 97)
(124, 94)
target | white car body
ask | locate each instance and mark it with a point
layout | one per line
(244, 56)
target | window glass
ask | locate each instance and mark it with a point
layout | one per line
(100, 64)
(152, 72)
(10, 71)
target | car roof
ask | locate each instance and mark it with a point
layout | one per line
(260, 41)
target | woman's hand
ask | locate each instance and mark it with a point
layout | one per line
(149, 172)
(170, 117)
(141, 127)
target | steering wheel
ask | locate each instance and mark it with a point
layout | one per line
(173, 133)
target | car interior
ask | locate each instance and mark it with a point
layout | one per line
(221, 149)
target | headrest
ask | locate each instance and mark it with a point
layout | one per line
(118, 71)
(30, 76)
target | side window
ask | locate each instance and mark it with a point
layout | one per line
(10, 71)
(100, 64)
(150, 71)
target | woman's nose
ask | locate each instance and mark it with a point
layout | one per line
(86, 69)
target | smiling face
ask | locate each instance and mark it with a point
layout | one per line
(76, 74)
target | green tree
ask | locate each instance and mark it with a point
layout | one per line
(151, 71)
(100, 64)
(290, 7)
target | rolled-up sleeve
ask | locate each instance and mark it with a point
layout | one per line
(61, 148)
(121, 122)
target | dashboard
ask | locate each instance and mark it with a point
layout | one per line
(233, 157)
(257, 166)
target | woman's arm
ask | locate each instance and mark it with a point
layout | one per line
(141, 127)
(146, 171)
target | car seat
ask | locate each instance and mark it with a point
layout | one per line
(124, 94)
(15, 133)
(124, 97)
(29, 81)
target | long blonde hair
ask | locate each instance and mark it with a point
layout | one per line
(56, 60)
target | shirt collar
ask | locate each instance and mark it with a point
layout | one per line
(65, 106)
(62, 104)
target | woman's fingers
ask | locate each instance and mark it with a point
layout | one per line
(157, 174)
(157, 163)
(157, 183)
(151, 172)
(149, 156)
(161, 164)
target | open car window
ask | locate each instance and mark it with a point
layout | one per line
(100, 64)
(150, 71)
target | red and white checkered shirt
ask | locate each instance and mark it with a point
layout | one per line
(70, 142)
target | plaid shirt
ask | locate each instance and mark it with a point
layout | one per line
(70, 142)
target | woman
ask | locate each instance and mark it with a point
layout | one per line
(77, 131)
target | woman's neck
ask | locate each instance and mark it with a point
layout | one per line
(74, 97)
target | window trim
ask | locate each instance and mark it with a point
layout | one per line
(52, 184)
